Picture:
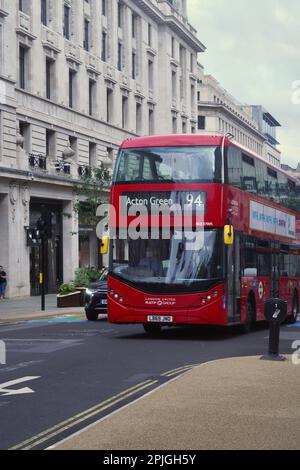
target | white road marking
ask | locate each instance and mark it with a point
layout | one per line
(4, 388)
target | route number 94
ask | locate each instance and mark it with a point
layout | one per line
(195, 199)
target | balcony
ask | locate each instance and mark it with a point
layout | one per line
(24, 28)
(50, 40)
(3, 9)
(37, 162)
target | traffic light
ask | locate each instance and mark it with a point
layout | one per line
(44, 225)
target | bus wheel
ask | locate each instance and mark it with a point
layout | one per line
(295, 309)
(248, 326)
(152, 329)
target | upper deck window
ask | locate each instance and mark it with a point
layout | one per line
(170, 164)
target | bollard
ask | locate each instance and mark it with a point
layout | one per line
(275, 313)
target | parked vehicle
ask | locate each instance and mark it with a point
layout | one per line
(96, 297)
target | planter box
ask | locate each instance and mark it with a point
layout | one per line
(69, 300)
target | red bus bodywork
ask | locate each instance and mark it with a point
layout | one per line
(210, 307)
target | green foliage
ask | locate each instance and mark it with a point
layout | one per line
(292, 203)
(65, 289)
(84, 276)
(92, 191)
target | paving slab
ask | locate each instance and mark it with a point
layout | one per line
(239, 403)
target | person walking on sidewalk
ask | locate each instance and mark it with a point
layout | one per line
(3, 283)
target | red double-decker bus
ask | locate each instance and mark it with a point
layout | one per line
(249, 247)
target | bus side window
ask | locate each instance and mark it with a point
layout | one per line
(250, 258)
(234, 166)
(249, 174)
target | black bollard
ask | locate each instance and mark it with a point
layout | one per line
(275, 314)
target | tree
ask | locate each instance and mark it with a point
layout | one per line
(92, 191)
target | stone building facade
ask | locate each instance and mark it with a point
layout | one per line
(76, 78)
(219, 112)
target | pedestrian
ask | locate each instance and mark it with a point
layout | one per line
(3, 283)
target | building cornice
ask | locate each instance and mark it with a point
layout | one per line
(223, 109)
(173, 23)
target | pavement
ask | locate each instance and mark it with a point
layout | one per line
(236, 403)
(30, 308)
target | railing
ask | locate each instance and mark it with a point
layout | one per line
(37, 162)
(62, 167)
(84, 170)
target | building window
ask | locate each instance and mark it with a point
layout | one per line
(74, 146)
(92, 155)
(133, 73)
(151, 121)
(66, 22)
(25, 131)
(50, 64)
(192, 97)
(104, 7)
(174, 85)
(50, 143)
(44, 15)
(173, 47)
(193, 130)
(192, 63)
(104, 45)
(120, 14)
(86, 40)
(120, 56)
(134, 22)
(109, 105)
(174, 125)
(184, 127)
(72, 77)
(24, 6)
(149, 35)
(124, 111)
(23, 63)
(201, 122)
(92, 89)
(150, 74)
(138, 118)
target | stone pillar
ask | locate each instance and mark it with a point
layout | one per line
(15, 210)
(70, 241)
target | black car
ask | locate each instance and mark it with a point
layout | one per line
(96, 297)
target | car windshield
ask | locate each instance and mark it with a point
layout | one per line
(103, 275)
(168, 265)
(170, 164)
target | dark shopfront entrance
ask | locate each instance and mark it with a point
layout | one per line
(53, 248)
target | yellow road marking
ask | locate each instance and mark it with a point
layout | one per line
(166, 374)
(119, 396)
(84, 418)
(184, 369)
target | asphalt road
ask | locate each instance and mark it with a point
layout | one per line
(79, 372)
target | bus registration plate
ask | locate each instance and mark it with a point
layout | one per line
(159, 319)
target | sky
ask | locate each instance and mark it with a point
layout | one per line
(253, 50)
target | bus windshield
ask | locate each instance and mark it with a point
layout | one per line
(170, 164)
(167, 265)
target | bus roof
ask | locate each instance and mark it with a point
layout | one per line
(173, 140)
(181, 140)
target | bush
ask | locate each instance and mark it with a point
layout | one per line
(65, 289)
(84, 276)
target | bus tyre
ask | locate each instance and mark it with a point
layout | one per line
(295, 309)
(152, 329)
(248, 326)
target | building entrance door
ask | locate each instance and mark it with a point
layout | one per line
(53, 249)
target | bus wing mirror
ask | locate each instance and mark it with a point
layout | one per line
(228, 235)
(104, 245)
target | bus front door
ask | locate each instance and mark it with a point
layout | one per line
(275, 270)
(234, 280)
